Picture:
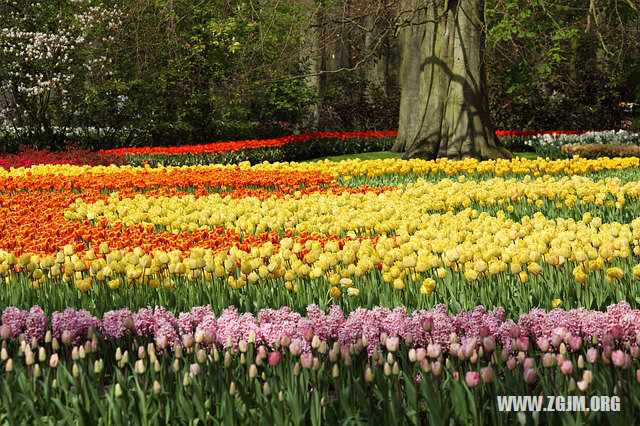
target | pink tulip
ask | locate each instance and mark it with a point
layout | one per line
(528, 363)
(392, 344)
(472, 378)
(566, 367)
(530, 375)
(548, 360)
(5, 331)
(523, 343)
(306, 360)
(543, 343)
(427, 324)
(618, 358)
(486, 374)
(592, 355)
(434, 350)
(295, 348)
(274, 358)
(489, 343)
(575, 342)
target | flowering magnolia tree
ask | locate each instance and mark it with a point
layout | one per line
(47, 50)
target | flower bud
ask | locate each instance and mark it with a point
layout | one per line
(186, 379)
(75, 355)
(530, 375)
(412, 355)
(543, 343)
(176, 365)
(486, 373)
(368, 375)
(566, 367)
(53, 361)
(296, 369)
(188, 340)
(139, 367)
(36, 371)
(436, 368)
(5, 331)
(514, 331)
(392, 344)
(335, 372)
(266, 390)
(434, 350)
(425, 366)
(489, 343)
(253, 371)
(201, 356)
(294, 348)
(194, 369)
(528, 363)
(141, 352)
(427, 324)
(522, 343)
(30, 358)
(4, 354)
(118, 390)
(390, 358)
(548, 360)
(572, 385)
(387, 369)
(306, 360)
(618, 358)
(227, 359)
(592, 355)
(243, 346)
(118, 354)
(472, 378)
(580, 362)
(587, 376)
(157, 387)
(8, 367)
(75, 370)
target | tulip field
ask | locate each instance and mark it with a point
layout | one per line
(360, 291)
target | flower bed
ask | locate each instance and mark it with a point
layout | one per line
(323, 290)
(427, 363)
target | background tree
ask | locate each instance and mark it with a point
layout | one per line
(444, 108)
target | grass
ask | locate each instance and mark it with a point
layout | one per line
(381, 155)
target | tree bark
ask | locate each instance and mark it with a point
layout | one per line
(376, 71)
(311, 62)
(444, 106)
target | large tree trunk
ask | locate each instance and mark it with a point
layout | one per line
(444, 107)
(376, 71)
(311, 61)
